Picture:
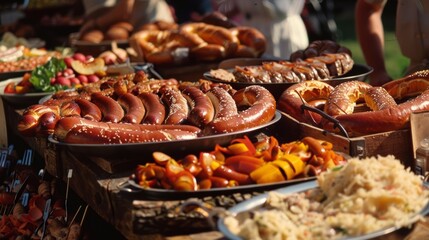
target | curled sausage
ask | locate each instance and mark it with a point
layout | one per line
(177, 106)
(134, 108)
(201, 108)
(111, 110)
(261, 107)
(155, 110)
(89, 110)
(79, 130)
(224, 104)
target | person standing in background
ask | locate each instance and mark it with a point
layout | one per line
(190, 10)
(100, 14)
(279, 20)
(412, 33)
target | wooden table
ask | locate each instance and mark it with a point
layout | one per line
(132, 215)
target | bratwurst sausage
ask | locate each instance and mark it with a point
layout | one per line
(83, 131)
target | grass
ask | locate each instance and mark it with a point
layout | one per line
(396, 63)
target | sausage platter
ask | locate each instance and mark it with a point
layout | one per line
(119, 152)
(359, 72)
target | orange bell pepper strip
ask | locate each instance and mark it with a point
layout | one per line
(238, 149)
(235, 160)
(247, 167)
(219, 148)
(271, 152)
(243, 164)
(219, 156)
(246, 141)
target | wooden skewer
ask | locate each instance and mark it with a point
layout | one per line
(69, 176)
(74, 217)
(84, 215)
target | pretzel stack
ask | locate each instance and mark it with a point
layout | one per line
(197, 42)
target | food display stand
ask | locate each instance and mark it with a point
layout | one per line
(98, 183)
(101, 174)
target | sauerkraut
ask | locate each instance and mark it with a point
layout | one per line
(363, 196)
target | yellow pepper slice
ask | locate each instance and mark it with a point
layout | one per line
(268, 173)
(286, 168)
(215, 164)
(297, 164)
(238, 148)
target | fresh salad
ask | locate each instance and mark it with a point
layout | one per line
(59, 74)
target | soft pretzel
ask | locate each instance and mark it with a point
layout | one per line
(389, 119)
(216, 42)
(318, 48)
(159, 25)
(252, 42)
(157, 46)
(344, 97)
(408, 86)
(308, 92)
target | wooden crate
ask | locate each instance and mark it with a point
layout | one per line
(397, 143)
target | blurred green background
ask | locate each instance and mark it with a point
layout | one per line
(346, 35)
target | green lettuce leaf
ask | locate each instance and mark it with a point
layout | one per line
(41, 76)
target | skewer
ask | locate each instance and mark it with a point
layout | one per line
(84, 215)
(75, 215)
(69, 176)
(76, 234)
(46, 214)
